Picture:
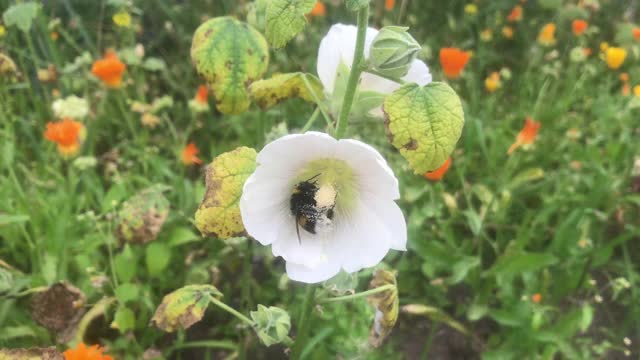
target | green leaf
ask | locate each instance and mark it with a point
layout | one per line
(184, 307)
(142, 216)
(462, 267)
(269, 92)
(182, 235)
(526, 176)
(157, 258)
(6, 219)
(355, 5)
(124, 320)
(285, 19)
(154, 64)
(516, 263)
(21, 15)
(219, 212)
(424, 123)
(49, 353)
(230, 55)
(126, 292)
(125, 264)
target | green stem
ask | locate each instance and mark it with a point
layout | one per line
(359, 295)
(311, 120)
(391, 78)
(232, 311)
(356, 70)
(303, 323)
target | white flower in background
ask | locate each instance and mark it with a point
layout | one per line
(337, 48)
(323, 205)
(72, 107)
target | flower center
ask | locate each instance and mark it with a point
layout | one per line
(322, 188)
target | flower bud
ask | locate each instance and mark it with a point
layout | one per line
(272, 325)
(393, 50)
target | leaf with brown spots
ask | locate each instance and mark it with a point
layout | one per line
(269, 92)
(184, 307)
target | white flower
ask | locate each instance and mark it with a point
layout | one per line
(365, 222)
(338, 46)
(70, 107)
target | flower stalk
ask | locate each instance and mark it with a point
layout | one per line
(358, 295)
(357, 68)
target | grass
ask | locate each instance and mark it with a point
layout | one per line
(558, 219)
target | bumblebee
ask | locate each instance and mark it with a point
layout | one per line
(313, 206)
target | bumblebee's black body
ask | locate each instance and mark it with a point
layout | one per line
(304, 207)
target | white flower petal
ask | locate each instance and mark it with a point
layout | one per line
(313, 275)
(260, 205)
(373, 171)
(338, 47)
(291, 151)
(418, 73)
(390, 214)
(361, 239)
(307, 251)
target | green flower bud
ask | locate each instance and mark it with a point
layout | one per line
(393, 50)
(272, 325)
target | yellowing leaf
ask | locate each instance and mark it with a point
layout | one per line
(219, 212)
(424, 123)
(386, 304)
(269, 92)
(230, 55)
(184, 307)
(285, 19)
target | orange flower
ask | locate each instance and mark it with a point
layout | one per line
(109, 69)
(203, 94)
(318, 10)
(389, 4)
(82, 352)
(189, 155)
(515, 14)
(624, 77)
(492, 82)
(438, 173)
(636, 33)
(587, 51)
(68, 134)
(547, 36)
(526, 136)
(579, 26)
(536, 298)
(453, 61)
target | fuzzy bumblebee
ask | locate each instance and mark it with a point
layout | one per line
(313, 206)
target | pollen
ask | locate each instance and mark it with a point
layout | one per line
(326, 196)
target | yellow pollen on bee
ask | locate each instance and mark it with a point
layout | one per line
(326, 196)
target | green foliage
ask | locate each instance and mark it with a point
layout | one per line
(393, 51)
(355, 5)
(21, 15)
(230, 55)
(424, 123)
(272, 324)
(285, 19)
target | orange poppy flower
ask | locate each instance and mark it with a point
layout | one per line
(202, 95)
(492, 82)
(67, 134)
(526, 136)
(587, 51)
(636, 33)
(389, 4)
(547, 36)
(318, 10)
(453, 61)
(83, 352)
(536, 298)
(189, 155)
(438, 173)
(507, 32)
(515, 14)
(109, 69)
(579, 26)
(624, 77)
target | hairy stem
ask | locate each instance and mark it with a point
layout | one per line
(359, 295)
(356, 70)
(303, 323)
